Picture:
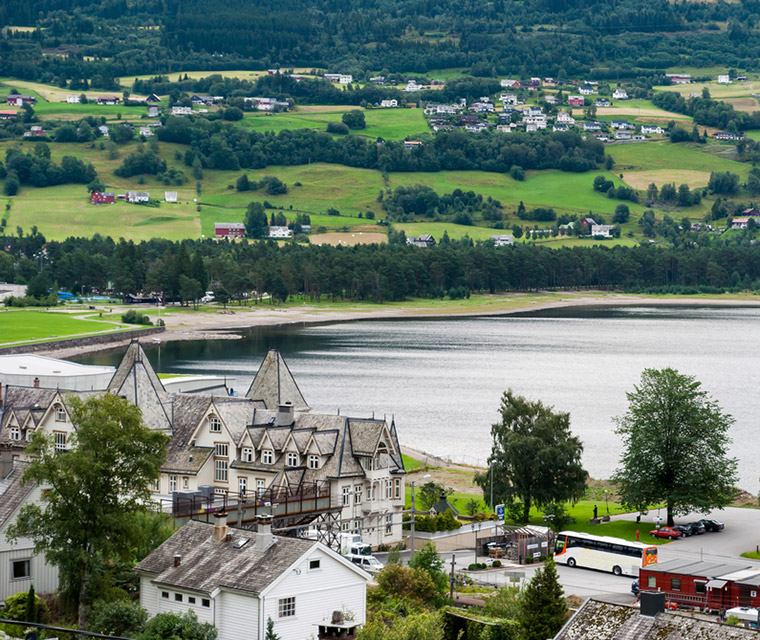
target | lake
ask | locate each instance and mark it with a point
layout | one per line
(442, 379)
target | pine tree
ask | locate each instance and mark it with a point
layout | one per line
(31, 605)
(270, 634)
(542, 607)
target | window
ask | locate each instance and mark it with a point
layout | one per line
(651, 582)
(344, 526)
(313, 564)
(700, 587)
(261, 486)
(357, 526)
(287, 607)
(165, 594)
(21, 569)
(172, 483)
(358, 494)
(157, 485)
(292, 460)
(185, 482)
(397, 488)
(15, 433)
(313, 462)
(675, 584)
(388, 488)
(220, 470)
(266, 456)
(60, 413)
(346, 496)
(369, 493)
(177, 597)
(242, 485)
(60, 441)
(205, 602)
(214, 424)
(29, 434)
(388, 524)
(368, 464)
(221, 449)
(247, 454)
(191, 599)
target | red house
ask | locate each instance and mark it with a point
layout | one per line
(105, 197)
(229, 230)
(575, 101)
(703, 584)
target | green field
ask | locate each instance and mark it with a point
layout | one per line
(21, 326)
(391, 124)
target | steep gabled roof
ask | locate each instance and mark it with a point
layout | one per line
(275, 385)
(13, 493)
(136, 381)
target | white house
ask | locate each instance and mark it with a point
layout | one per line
(389, 104)
(724, 79)
(622, 135)
(508, 98)
(503, 240)
(146, 132)
(182, 111)
(601, 230)
(138, 196)
(652, 129)
(72, 98)
(237, 580)
(280, 232)
(20, 565)
(620, 94)
(413, 86)
(170, 196)
(565, 118)
(339, 78)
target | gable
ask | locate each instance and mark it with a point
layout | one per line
(274, 384)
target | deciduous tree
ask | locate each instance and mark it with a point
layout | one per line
(675, 439)
(534, 458)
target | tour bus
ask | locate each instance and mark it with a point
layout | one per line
(603, 553)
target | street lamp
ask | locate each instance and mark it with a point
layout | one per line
(606, 504)
(411, 555)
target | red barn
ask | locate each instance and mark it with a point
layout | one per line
(229, 230)
(703, 584)
(105, 197)
(575, 101)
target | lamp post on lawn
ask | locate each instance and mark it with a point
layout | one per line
(606, 504)
(411, 555)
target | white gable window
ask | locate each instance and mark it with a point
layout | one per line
(247, 454)
(313, 461)
(60, 413)
(346, 496)
(214, 424)
(267, 456)
(60, 441)
(242, 485)
(287, 607)
(292, 460)
(220, 470)
(15, 433)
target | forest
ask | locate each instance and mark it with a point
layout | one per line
(81, 43)
(377, 273)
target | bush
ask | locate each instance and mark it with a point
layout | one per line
(354, 119)
(135, 317)
(337, 127)
(119, 618)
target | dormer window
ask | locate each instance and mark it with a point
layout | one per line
(60, 413)
(214, 424)
(247, 455)
(29, 434)
(313, 461)
(292, 460)
(15, 433)
(267, 456)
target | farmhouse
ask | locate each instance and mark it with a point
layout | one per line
(152, 98)
(510, 84)
(339, 78)
(679, 78)
(229, 230)
(153, 111)
(238, 580)
(601, 230)
(7, 114)
(268, 104)
(413, 86)
(724, 79)
(182, 111)
(102, 197)
(503, 240)
(104, 131)
(565, 118)
(727, 135)
(170, 196)
(575, 101)
(280, 232)
(602, 102)
(145, 132)
(620, 94)
(622, 135)
(592, 126)
(72, 98)
(137, 196)
(389, 104)
(108, 100)
(621, 124)
(587, 90)
(412, 144)
(652, 129)
(552, 100)
(35, 130)
(740, 223)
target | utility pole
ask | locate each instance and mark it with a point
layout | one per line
(491, 487)
(451, 581)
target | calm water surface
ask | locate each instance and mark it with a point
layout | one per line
(442, 379)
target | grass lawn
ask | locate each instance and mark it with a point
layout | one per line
(669, 157)
(411, 463)
(19, 326)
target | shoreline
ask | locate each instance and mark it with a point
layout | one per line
(228, 324)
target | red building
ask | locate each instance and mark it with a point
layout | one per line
(229, 230)
(105, 197)
(575, 101)
(703, 584)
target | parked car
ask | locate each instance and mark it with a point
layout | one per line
(685, 529)
(665, 532)
(697, 528)
(712, 525)
(635, 588)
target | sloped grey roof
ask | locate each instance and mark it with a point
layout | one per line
(136, 381)
(365, 436)
(188, 410)
(13, 493)
(606, 621)
(275, 385)
(207, 565)
(237, 414)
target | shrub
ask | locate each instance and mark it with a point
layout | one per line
(337, 127)
(135, 317)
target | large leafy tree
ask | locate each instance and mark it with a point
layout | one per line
(543, 609)
(675, 438)
(534, 457)
(92, 492)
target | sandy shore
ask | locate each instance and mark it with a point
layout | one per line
(229, 324)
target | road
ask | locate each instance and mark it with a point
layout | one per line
(742, 533)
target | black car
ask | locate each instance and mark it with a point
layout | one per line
(697, 528)
(684, 529)
(635, 588)
(712, 525)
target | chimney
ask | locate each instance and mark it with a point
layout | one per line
(220, 527)
(264, 538)
(651, 603)
(36, 383)
(285, 415)
(177, 559)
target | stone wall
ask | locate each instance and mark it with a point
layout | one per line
(103, 339)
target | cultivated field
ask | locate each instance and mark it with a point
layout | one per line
(350, 239)
(642, 179)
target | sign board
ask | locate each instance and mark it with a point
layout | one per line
(544, 544)
(500, 512)
(532, 546)
(536, 554)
